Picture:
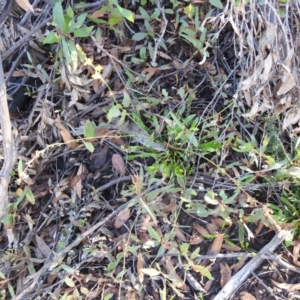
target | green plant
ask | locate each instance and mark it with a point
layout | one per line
(68, 28)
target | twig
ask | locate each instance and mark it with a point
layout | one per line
(157, 42)
(20, 42)
(236, 281)
(49, 266)
(10, 153)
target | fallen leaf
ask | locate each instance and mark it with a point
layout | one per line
(217, 244)
(43, 247)
(196, 240)
(290, 287)
(171, 271)
(121, 218)
(180, 234)
(231, 248)
(200, 229)
(140, 265)
(25, 5)
(98, 158)
(235, 267)
(287, 84)
(225, 272)
(151, 272)
(296, 250)
(292, 116)
(66, 136)
(118, 164)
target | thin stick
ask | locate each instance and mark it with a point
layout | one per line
(54, 261)
(157, 42)
(10, 153)
(237, 280)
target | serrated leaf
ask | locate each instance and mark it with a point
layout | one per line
(69, 282)
(89, 129)
(216, 3)
(139, 36)
(150, 272)
(89, 146)
(51, 38)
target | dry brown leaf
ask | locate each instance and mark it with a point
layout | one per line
(43, 247)
(25, 5)
(118, 164)
(98, 158)
(196, 240)
(296, 251)
(246, 296)
(140, 266)
(231, 248)
(218, 222)
(178, 282)
(287, 84)
(66, 136)
(217, 244)
(290, 287)
(76, 181)
(121, 218)
(200, 229)
(292, 116)
(235, 267)
(212, 228)
(225, 272)
(180, 234)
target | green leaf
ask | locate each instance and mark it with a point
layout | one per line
(203, 271)
(66, 51)
(108, 296)
(69, 282)
(209, 197)
(30, 196)
(83, 32)
(216, 3)
(80, 20)
(195, 253)
(51, 38)
(73, 54)
(139, 36)
(126, 100)
(155, 235)
(58, 16)
(20, 167)
(89, 146)
(144, 13)
(114, 112)
(70, 12)
(11, 291)
(255, 217)
(89, 129)
(126, 14)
